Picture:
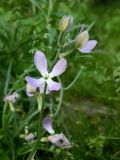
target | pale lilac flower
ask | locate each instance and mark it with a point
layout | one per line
(11, 98)
(47, 125)
(58, 140)
(83, 44)
(41, 64)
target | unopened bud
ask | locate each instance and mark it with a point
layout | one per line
(44, 139)
(81, 39)
(65, 23)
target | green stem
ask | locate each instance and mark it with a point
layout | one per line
(12, 107)
(74, 80)
(3, 115)
(8, 77)
(34, 150)
(60, 101)
(61, 55)
(57, 55)
(39, 99)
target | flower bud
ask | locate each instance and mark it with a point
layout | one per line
(65, 23)
(81, 39)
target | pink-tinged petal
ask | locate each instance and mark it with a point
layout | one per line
(88, 47)
(41, 62)
(53, 86)
(33, 81)
(59, 68)
(47, 125)
(59, 140)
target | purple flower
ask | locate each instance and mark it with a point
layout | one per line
(11, 98)
(57, 139)
(83, 44)
(47, 125)
(41, 64)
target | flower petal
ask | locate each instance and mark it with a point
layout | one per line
(47, 125)
(81, 39)
(53, 86)
(88, 47)
(59, 68)
(30, 90)
(59, 140)
(34, 82)
(41, 62)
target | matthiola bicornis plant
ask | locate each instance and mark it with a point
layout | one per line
(83, 44)
(41, 64)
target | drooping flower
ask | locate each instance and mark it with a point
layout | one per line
(83, 44)
(11, 98)
(41, 64)
(59, 140)
(47, 125)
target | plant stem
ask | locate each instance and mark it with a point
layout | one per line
(34, 150)
(74, 80)
(3, 115)
(60, 101)
(57, 55)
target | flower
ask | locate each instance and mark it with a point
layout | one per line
(65, 23)
(11, 98)
(83, 44)
(41, 64)
(47, 125)
(58, 140)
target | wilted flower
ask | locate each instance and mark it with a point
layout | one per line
(11, 98)
(57, 139)
(65, 23)
(83, 44)
(29, 137)
(41, 64)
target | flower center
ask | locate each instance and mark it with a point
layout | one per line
(46, 77)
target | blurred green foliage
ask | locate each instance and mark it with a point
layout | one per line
(90, 112)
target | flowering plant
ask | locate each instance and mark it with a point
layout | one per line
(44, 86)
